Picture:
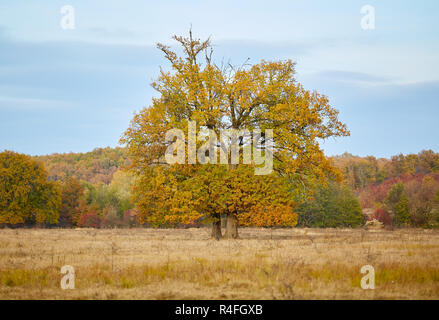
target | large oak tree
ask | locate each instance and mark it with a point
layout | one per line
(219, 97)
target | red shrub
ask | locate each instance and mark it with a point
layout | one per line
(89, 220)
(375, 193)
(383, 216)
(130, 219)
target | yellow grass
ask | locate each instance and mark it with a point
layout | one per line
(186, 264)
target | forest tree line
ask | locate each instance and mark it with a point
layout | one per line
(93, 190)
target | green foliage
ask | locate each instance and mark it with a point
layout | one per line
(397, 203)
(100, 203)
(120, 188)
(331, 206)
(26, 196)
(108, 202)
(111, 196)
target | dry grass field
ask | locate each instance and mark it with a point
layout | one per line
(186, 264)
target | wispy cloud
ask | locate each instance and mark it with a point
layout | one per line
(20, 103)
(352, 77)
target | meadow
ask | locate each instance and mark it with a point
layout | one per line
(290, 263)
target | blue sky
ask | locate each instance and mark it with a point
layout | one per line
(74, 90)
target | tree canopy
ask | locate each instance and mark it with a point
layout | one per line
(331, 205)
(220, 97)
(26, 195)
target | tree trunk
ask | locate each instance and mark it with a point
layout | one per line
(216, 229)
(223, 221)
(231, 220)
(231, 227)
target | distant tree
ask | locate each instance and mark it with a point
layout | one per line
(121, 188)
(397, 203)
(331, 206)
(97, 166)
(90, 217)
(361, 173)
(110, 219)
(130, 218)
(114, 196)
(90, 192)
(71, 194)
(26, 196)
(421, 193)
(374, 194)
(434, 217)
(358, 172)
